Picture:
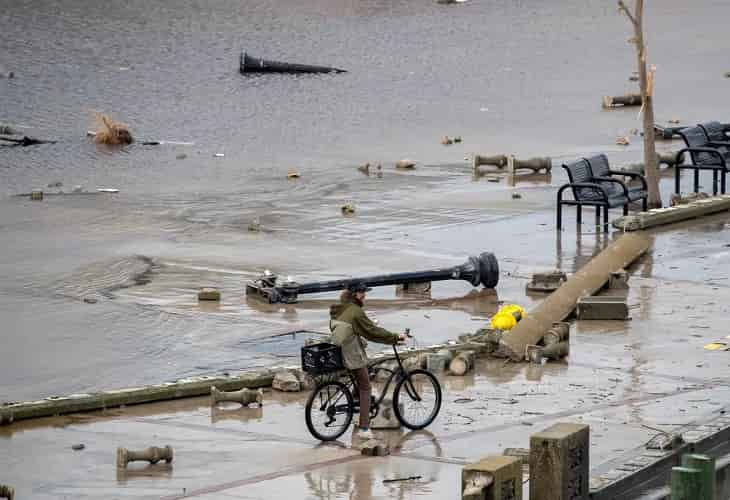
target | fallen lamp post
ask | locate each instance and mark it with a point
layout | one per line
(483, 270)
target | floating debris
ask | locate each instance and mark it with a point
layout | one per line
(110, 132)
(365, 169)
(218, 155)
(623, 140)
(405, 164)
(107, 190)
(446, 141)
(348, 209)
(292, 174)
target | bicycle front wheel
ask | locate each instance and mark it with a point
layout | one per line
(417, 399)
(329, 410)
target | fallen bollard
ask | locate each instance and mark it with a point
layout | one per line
(622, 100)
(482, 270)
(7, 492)
(439, 361)
(462, 363)
(602, 307)
(546, 282)
(492, 478)
(499, 161)
(250, 64)
(534, 164)
(153, 454)
(245, 396)
(671, 160)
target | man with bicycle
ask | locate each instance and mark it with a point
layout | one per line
(350, 327)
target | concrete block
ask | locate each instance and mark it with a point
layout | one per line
(602, 307)
(439, 361)
(546, 282)
(209, 294)
(559, 463)
(618, 280)
(492, 478)
(385, 419)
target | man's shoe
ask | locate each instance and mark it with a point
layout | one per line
(364, 433)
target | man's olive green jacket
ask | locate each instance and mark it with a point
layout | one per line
(350, 326)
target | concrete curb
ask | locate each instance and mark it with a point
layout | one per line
(183, 388)
(670, 215)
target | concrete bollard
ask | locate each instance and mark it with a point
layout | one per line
(546, 282)
(413, 289)
(439, 361)
(36, 195)
(492, 478)
(153, 454)
(560, 331)
(706, 466)
(499, 161)
(462, 363)
(386, 419)
(602, 307)
(622, 100)
(559, 463)
(245, 396)
(534, 164)
(7, 492)
(286, 381)
(686, 483)
(209, 294)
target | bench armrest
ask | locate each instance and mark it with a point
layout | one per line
(633, 175)
(719, 144)
(591, 185)
(712, 151)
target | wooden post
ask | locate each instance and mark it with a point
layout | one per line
(686, 483)
(706, 466)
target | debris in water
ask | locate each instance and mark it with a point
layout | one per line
(674, 120)
(209, 294)
(405, 164)
(623, 141)
(348, 209)
(365, 169)
(90, 300)
(457, 139)
(219, 155)
(255, 225)
(292, 174)
(516, 196)
(410, 478)
(56, 184)
(110, 132)
(181, 156)
(717, 346)
(446, 141)
(107, 190)
(78, 447)
(463, 400)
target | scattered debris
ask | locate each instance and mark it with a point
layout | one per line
(375, 448)
(678, 199)
(546, 282)
(623, 140)
(410, 478)
(622, 100)
(717, 346)
(348, 209)
(492, 179)
(673, 120)
(634, 131)
(245, 396)
(56, 184)
(633, 78)
(153, 454)
(181, 156)
(463, 400)
(439, 361)
(78, 447)
(499, 161)
(462, 363)
(107, 190)
(507, 317)
(26, 141)
(110, 132)
(36, 195)
(209, 294)
(8, 130)
(292, 174)
(255, 225)
(405, 164)
(457, 139)
(602, 307)
(365, 169)
(534, 164)
(446, 141)
(249, 64)
(516, 196)
(219, 155)
(90, 300)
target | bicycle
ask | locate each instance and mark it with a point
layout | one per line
(331, 406)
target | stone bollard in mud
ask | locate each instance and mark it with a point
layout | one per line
(534, 164)
(245, 396)
(492, 478)
(559, 462)
(622, 100)
(462, 363)
(546, 282)
(153, 454)
(439, 361)
(499, 161)
(286, 381)
(618, 280)
(7, 492)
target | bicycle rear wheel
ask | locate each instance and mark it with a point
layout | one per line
(329, 410)
(417, 399)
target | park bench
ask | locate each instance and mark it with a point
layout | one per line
(603, 192)
(705, 155)
(602, 172)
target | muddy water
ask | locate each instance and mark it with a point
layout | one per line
(523, 77)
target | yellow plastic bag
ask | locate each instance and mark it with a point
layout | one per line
(507, 317)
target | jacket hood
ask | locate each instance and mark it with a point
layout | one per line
(337, 309)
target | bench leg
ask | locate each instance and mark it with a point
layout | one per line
(605, 218)
(697, 180)
(677, 173)
(723, 177)
(714, 183)
(579, 215)
(626, 209)
(598, 216)
(560, 216)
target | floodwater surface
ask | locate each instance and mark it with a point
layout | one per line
(521, 77)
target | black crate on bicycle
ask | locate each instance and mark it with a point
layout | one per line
(322, 358)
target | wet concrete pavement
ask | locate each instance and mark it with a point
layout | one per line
(627, 380)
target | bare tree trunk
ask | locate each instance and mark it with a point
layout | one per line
(650, 158)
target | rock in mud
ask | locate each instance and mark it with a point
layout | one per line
(405, 164)
(209, 294)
